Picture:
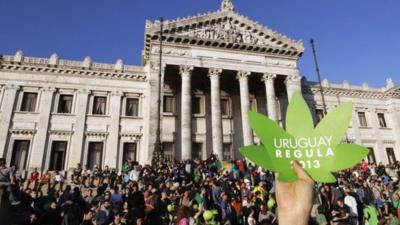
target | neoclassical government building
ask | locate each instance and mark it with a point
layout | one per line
(215, 67)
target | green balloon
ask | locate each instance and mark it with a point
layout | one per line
(208, 215)
(195, 207)
(170, 208)
(271, 203)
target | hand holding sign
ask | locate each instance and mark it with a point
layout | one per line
(319, 150)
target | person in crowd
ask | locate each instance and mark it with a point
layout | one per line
(183, 215)
(58, 180)
(34, 179)
(77, 174)
(8, 186)
(45, 180)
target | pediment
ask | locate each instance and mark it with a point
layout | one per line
(224, 29)
(393, 92)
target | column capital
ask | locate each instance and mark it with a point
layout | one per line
(83, 91)
(156, 66)
(293, 80)
(11, 86)
(185, 70)
(48, 89)
(214, 72)
(268, 77)
(242, 74)
(117, 93)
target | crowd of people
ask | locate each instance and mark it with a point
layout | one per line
(192, 192)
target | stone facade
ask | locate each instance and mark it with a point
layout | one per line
(215, 67)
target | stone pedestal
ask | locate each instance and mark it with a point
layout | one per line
(216, 115)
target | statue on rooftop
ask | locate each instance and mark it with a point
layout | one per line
(227, 5)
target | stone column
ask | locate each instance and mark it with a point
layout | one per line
(78, 137)
(112, 144)
(40, 140)
(7, 107)
(216, 115)
(151, 112)
(242, 76)
(293, 84)
(186, 112)
(270, 95)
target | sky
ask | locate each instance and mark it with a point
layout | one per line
(356, 40)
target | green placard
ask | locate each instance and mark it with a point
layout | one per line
(318, 149)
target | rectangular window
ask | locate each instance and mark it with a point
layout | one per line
(391, 156)
(168, 104)
(225, 109)
(382, 121)
(132, 107)
(129, 151)
(99, 105)
(371, 156)
(320, 114)
(20, 153)
(169, 150)
(57, 158)
(196, 150)
(362, 119)
(29, 102)
(65, 104)
(196, 105)
(95, 156)
(227, 153)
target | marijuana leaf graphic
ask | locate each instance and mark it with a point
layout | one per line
(318, 149)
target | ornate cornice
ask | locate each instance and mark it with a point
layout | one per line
(61, 132)
(23, 131)
(98, 134)
(389, 141)
(393, 92)
(313, 88)
(136, 136)
(69, 67)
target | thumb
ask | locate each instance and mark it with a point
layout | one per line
(300, 172)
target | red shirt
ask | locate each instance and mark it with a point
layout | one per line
(240, 165)
(364, 166)
(34, 176)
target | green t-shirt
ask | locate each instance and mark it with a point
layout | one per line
(394, 221)
(396, 204)
(371, 215)
(321, 219)
(125, 168)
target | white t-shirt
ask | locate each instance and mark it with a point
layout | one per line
(351, 202)
(134, 175)
(58, 178)
(251, 221)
